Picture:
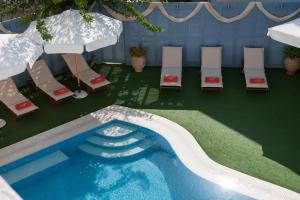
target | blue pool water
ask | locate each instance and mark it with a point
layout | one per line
(87, 178)
(154, 174)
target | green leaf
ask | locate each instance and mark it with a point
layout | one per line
(40, 9)
(56, 2)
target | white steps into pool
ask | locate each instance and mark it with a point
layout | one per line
(116, 131)
(35, 167)
(117, 141)
(106, 142)
(117, 153)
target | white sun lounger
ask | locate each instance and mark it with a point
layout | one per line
(254, 69)
(211, 68)
(45, 81)
(12, 98)
(86, 74)
(171, 67)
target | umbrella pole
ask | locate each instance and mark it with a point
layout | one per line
(78, 94)
(77, 74)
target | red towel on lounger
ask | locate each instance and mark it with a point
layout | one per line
(170, 78)
(22, 105)
(212, 79)
(60, 91)
(257, 80)
(99, 79)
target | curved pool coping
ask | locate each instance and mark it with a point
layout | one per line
(183, 143)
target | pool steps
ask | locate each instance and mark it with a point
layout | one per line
(116, 131)
(131, 140)
(117, 142)
(35, 167)
(116, 153)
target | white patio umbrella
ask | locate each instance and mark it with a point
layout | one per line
(72, 34)
(16, 52)
(288, 33)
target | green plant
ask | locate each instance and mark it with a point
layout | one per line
(137, 51)
(292, 52)
(40, 9)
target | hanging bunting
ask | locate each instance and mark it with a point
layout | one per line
(152, 6)
(249, 8)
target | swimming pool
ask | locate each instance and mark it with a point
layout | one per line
(116, 160)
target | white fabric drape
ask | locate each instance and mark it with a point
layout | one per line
(118, 16)
(4, 30)
(183, 19)
(210, 9)
(220, 18)
(274, 18)
(158, 5)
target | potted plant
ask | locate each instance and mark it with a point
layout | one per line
(292, 60)
(138, 57)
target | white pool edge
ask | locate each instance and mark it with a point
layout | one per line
(6, 192)
(182, 142)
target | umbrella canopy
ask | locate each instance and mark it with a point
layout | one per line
(16, 52)
(288, 33)
(71, 33)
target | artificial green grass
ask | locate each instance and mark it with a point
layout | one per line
(252, 132)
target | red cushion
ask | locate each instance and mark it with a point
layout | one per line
(170, 78)
(60, 91)
(257, 80)
(24, 104)
(99, 79)
(212, 79)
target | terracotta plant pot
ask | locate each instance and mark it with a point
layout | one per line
(138, 63)
(291, 65)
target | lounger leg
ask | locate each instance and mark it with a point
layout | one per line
(268, 91)
(89, 90)
(109, 85)
(14, 116)
(52, 101)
